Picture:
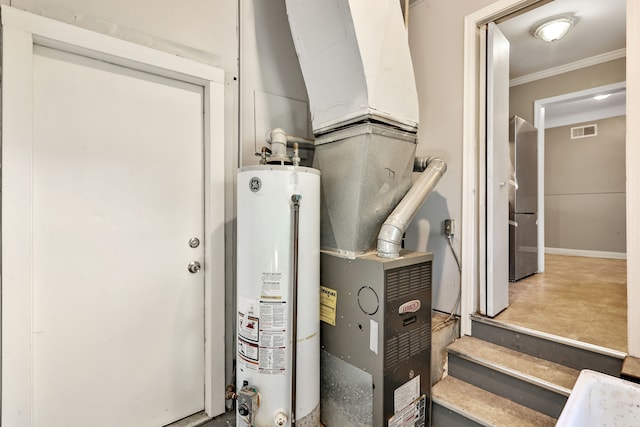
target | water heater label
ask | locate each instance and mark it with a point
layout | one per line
(273, 361)
(273, 316)
(271, 285)
(262, 336)
(246, 364)
(247, 349)
(273, 339)
(248, 326)
(272, 357)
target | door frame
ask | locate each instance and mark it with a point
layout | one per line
(474, 259)
(539, 106)
(471, 239)
(494, 282)
(20, 31)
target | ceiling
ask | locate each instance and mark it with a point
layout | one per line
(600, 28)
(585, 109)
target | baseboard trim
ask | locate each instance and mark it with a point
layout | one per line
(585, 253)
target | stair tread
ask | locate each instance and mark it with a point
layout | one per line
(485, 407)
(575, 354)
(521, 364)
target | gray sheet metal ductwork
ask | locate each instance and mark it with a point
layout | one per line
(394, 227)
(366, 170)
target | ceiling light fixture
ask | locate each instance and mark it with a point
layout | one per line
(554, 29)
(601, 97)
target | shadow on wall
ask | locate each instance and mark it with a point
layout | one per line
(276, 53)
(425, 235)
(278, 95)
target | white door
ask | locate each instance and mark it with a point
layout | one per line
(117, 192)
(497, 171)
(118, 320)
(104, 183)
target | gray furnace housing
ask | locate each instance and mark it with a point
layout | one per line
(373, 349)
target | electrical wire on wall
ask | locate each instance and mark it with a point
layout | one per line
(451, 316)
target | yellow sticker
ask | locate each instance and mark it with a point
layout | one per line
(328, 303)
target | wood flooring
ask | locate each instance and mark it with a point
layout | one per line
(581, 298)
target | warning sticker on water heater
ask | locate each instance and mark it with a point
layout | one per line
(273, 316)
(248, 326)
(273, 361)
(262, 336)
(273, 338)
(247, 349)
(328, 304)
(271, 285)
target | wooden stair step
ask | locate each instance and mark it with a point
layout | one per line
(575, 354)
(484, 408)
(543, 373)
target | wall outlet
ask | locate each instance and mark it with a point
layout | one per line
(449, 227)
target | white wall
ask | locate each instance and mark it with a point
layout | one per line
(436, 42)
(633, 177)
(202, 30)
(205, 30)
(272, 90)
(585, 188)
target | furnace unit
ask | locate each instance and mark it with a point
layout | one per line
(376, 340)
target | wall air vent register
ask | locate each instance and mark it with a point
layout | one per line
(584, 131)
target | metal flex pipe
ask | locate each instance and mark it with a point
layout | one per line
(391, 232)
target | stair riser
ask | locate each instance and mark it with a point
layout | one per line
(522, 392)
(444, 417)
(572, 357)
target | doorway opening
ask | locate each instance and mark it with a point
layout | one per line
(580, 291)
(471, 302)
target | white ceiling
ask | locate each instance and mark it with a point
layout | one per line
(600, 28)
(585, 109)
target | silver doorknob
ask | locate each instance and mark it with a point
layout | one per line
(194, 267)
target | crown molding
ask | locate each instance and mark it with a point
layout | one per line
(572, 66)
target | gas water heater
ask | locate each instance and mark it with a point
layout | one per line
(278, 270)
